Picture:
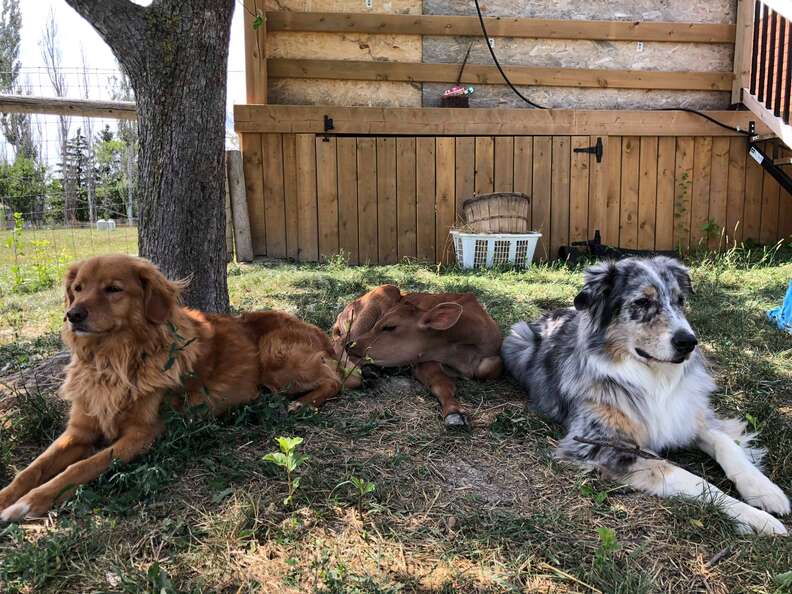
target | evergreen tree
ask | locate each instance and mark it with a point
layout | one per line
(16, 126)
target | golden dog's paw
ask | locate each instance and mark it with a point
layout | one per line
(294, 406)
(15, 512)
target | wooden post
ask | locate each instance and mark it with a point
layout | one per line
(229, 218)
(255, 51)
(743, 47)
(239, 209)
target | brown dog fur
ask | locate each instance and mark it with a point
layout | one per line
(137, 347)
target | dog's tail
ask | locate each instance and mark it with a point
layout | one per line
(518, 349)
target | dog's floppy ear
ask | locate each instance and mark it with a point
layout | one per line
(682, 275)
(71, 274)
(442, 316)
(598, 283)
(160, 295)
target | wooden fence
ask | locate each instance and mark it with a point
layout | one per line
(389, 184)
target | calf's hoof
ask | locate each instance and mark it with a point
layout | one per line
(456, 420)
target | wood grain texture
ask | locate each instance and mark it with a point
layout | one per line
(426, 236)
(613, 158)
(445, 160)
(702, 179)
(327, 196)
(252, 164)
(542, 193)
(367, 200)
(647, 193)
(406, 198)
(719, 183)
(579, 191)
(397, 24)
(752, 212)
(666, 170)
(485, 165)
(630, 176)
(489, 75)
(347, 199)
(504, 164)
(598, 188)
(523, 168)
(290, 196)
(306, 198)
(465, 172)
(559, 204)
(683, 186)
(386, 200)
(274, 205)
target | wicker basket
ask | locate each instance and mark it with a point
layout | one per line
(485, 250)
(501, 212)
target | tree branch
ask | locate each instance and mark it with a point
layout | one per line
(120, 23)
(619, 447)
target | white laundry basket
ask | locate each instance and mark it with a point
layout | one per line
(476, 250)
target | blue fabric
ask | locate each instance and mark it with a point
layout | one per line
(782, 316)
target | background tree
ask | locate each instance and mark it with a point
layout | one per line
(50, 52)
(176, 55)
(88, 127)
(16, 126)
(120, 89)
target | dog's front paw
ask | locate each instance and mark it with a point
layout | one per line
(750, 519)
(761, 492)
(15, 512)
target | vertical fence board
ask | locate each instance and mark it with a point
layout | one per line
(504, 164)
(540, 209)
(768, 230)
(752, 214)
(664, 220)
(465, 172)
(738, 148)
(579, 191)
(346, 150)
(252, 165)
(327, 196)
(613, 158)
(718, 189)
(425, 198)
(367, 200)
(239, 206)
(290, 196)
(444, 196)
(272, 154)
(523, 169)
(405, 197)
(386, 200)
(683, 183)
(598, 188)
(306, 198)
(647, 193)
(559, 204)
(628, 221)
(485, 165)
(702, 179)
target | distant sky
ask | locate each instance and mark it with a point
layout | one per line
(75, 34)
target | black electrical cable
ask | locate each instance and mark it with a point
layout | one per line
(532, 104)
(495, 59)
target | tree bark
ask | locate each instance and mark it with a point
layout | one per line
(176, 55)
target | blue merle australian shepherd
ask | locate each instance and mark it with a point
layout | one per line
(622, 374)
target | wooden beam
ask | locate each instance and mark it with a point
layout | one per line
(489, 75)
(743, 48)
(436, 121)
(255, 52)
(239, 206)
(776, 125)
(398, 24)
(120, 110)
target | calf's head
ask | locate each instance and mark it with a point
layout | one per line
(406, 334)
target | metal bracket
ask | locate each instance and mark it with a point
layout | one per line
(781, 176)
(328, 125)
(593, 150)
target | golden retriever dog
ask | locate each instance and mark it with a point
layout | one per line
(133, 346)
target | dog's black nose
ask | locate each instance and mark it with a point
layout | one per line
(684, 341)
(77, 314)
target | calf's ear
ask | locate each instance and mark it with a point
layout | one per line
(441, 317)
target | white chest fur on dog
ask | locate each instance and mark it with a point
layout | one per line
(671, 400)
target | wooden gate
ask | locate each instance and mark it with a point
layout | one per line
(380, 198)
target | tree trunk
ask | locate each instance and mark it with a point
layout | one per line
(176, 55)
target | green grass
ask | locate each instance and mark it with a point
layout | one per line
(485, 511)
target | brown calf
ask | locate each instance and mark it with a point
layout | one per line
(438, 334)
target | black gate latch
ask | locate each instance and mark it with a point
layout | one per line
(328, 125)
(594, 150)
